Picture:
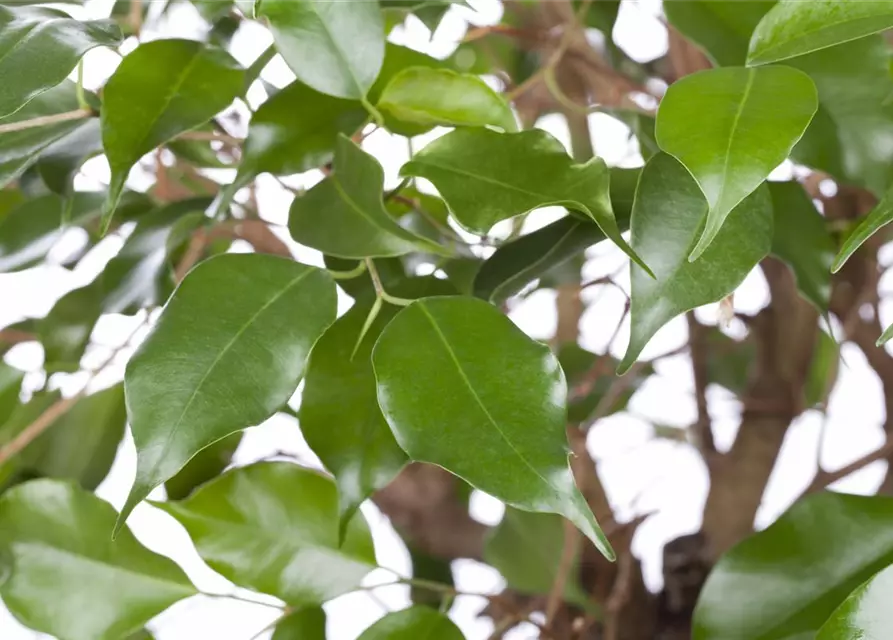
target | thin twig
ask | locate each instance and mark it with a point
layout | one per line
(16, 336)
(824, 478)
(211, 136)
(562, 574)
(703, 427)
(42, 121)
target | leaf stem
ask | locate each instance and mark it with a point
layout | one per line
(379, 288)
(79, 89)
(232, 596)
(348, 275)
(42, 121)
(375, 113)
(373, 314)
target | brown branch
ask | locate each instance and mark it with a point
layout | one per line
(16, 336)
(569, 551)
(825, 478)
(211, 136)
(42, 121)
(43, 422)
(702, 429)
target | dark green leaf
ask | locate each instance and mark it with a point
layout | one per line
(865, 614)
(273, 526)
(842, 539)
(802, 240)
(748, 122)
(344, 215)
(486, 177)
(668, 192)
(40, 48)
(60, 161)
(335, 47)
(65, 331)
(428, 567)
(10, 388)
(728, 360)
(429, 97)
(793, 28)
(308, 623)
(227, 352)
(823, 371)
(206, 465)
(722, 29)
(877, 219)
(507, 433)
(412, 624)
(162, 89)
(58, 537)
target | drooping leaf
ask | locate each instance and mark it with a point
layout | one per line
(412, 624)
(429, 97)
(538, 539)
(193, 383)
(206, 465)
(20, 149)
(60, 161)
(10, 388)
(865, 614)
(308, 623)
(792, 28)
(507, 433)
(344, 215)
(486, 177)
(273, 526)
(877, 219)
(65, 331)
(668, 192)
(40, 48)
(842, 539)
(802, 240)
(160, 90)
(748, 120)
(58, 537)
(335, 47)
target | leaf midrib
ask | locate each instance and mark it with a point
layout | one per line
(801, 35)
(350, 202)
(751, 74)
(341, 55)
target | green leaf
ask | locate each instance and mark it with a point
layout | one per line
(877, 219)
(843, 539)
(344, 215)
(66, 329)
(22, 415)
(335, 47)
(160, 90)
(192, 383)
(722, 29)
(668, 192)
(206, 465)
(40, 48)
(748, 121)
(412, 624)
(823, 370)
(273, 527)
(792, 28)
(865, 614)
(486, 177)
(507, 433)
(429, 97)
(10, 388)
(20, 149)
(538, 539)
(60, 161)
(396, 59)
(802, 240)
(58, 537)
(308, 623)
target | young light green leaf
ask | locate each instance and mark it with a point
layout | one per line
(486, 177)
(40, 48)
(747, 122)
(668, 192)
(397, 59)
(877, 219)
(273, 527)
(308, 623)
(845, 539)
(507, 433)
(429, 97)
(335, 47)
(792, 28)
(344, 215)
(802, 240)
(206, 465)
(412, 624)
(865, 614)
(162, 89)
(227, 352)
(58, 538)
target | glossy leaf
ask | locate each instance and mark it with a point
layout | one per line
(273, 526)
(412, 624)
(160, 90)
(308, 623)
(344, 215)
(65, 331)
(397, 59)
(877, 219)
(58, 538)
(193, 383)
(40, 48)
(206, 465)
(507, 433)
(486, 177)
(841, 538)
(802, 240)
(668, 192)
(335, 47)
(865, 614)
(722, 29)
(792, 28)
(428, 97)
(749, 120)
(60, 161)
